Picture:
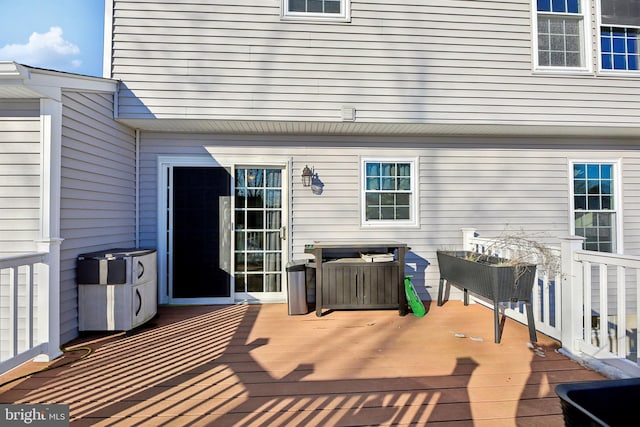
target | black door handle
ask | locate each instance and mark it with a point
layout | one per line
(140, 269)
(139, 301)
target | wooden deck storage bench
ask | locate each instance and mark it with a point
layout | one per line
(344, 280)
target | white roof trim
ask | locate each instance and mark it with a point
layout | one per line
(12, 70)
(19, 81)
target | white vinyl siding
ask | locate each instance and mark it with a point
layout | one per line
(494, 188)
(432, 61)
(97, 190)
(19, 177)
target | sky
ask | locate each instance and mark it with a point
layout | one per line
(63, 35)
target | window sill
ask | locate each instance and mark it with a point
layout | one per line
(316, 18)
(563, 71)
(619, 73)
(390, 226)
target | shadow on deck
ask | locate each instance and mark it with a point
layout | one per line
(253, 365)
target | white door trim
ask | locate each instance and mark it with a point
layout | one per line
(164, 218)
(164, 162)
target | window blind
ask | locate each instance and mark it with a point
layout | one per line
(620, 12)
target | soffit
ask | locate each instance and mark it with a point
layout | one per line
(375, 129)
(17, 92)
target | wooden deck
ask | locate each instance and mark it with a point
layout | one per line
(253, 365)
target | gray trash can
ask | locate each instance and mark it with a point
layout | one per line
(297, 292)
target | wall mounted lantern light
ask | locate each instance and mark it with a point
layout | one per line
(307, 174)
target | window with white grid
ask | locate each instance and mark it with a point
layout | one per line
(594, 205)
(560, 33)
(317, 9)
(389, 192)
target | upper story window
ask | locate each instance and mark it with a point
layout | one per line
(619, 35)
(317, 9)
(595, 205)
(388, 192)
(560, 34)
(563, 36)
(619, 48)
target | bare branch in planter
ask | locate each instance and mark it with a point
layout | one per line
(522, 248)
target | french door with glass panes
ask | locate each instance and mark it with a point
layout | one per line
(259, 234)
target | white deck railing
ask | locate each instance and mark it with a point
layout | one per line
(24, 308)
(601, 302)
(592, 305)
(546, 292)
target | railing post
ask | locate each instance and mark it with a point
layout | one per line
(49, 241)
(49, 300)
(467, 236)
(572, 310)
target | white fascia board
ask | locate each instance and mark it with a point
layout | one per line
(72, 81)
(10, 70)
(48, 83)
(14, 80)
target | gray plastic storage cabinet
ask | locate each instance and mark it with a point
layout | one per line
(297, 290)
(117, 289)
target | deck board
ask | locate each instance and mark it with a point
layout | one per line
(254, 365)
